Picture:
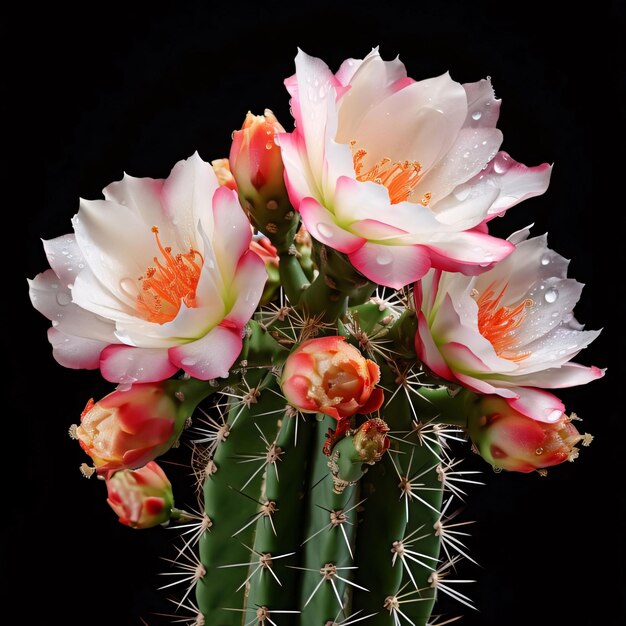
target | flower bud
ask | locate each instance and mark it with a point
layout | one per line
(225, 177)
(329, 375)
(371, 441)
(127, 429)
(141, 498)
(512, 441)
(257, 166)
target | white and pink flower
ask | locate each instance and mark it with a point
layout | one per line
(400, 175)
(157, 277)
(510, 331)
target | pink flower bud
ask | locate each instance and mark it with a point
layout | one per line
(127, 429)
(510, 440)
(225, 178)
(255, 159)
(329, 375)
(141, 498)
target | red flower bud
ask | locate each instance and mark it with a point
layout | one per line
(512, 441)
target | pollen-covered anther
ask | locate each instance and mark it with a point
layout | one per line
(587, 439)
(87, 470)
(171, 282)
(573, 455)
(399, 177)
(498, 323)
(329, 571)
(337, 518)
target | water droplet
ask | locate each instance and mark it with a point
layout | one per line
(462, 193)
(64, 252)
(55, 323)
(384, 257)
(129, 286)
(81, 266)
(555, 314)
(63, 298)
(70, 285)
(539, 451)
(269, 145)
(476, 115)
(554, 415)
(551, 295)
(545, 259)
(324, 230)
(485, 142)
(189, 361)
(466, 155)
(501, 163)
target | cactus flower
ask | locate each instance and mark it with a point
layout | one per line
(127, 429)
(400, 175)
(512, 441)
(141, 498)
(509, 332)
(329, 375)
(157, 277)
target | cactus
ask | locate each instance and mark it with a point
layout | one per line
(304, 523)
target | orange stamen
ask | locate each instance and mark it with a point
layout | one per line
(497, 323)
(399, 177)
(172, 280)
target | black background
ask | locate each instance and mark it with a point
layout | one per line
(137, 88)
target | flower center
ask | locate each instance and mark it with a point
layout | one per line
(497, 323)
(399, 177)
(173, 279)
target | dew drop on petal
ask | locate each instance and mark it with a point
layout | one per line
(551, 295)
(545, 259)
(324, 230)
(63, 298)
(188, 361)
(269, 145)
(500, 164)
(476, 115)
(384, 257)
(129, 286)
(55, 323)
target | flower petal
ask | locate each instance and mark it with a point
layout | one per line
(75, 352)
(210, 356)
(125, 364)
(538, 404)
(187, 198)
(516, 181)
(247, 288)
(320, 223)
(65, 258)
(568, 375)
(483, 108)
(391, 266)
(54, 300)
(231, 234)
